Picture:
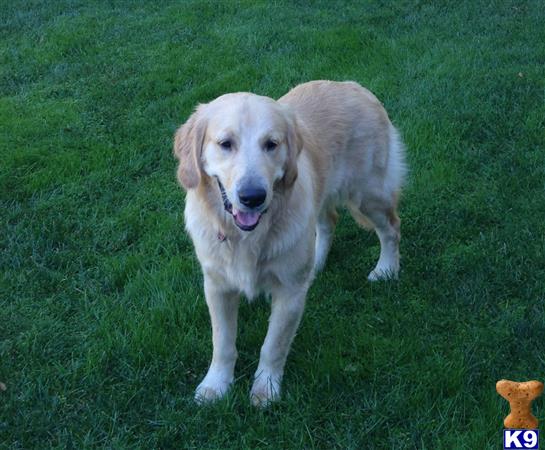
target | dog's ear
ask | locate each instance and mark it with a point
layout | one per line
(188, 142)
(295, 144)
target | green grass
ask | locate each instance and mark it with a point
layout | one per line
(104, 333)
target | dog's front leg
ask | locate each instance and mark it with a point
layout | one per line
(223, 308)
(286, 311)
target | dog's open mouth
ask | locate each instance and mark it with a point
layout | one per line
(246, 221)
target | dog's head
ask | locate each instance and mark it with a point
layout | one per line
(249, 144)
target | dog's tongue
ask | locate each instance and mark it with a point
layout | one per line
(248, 219)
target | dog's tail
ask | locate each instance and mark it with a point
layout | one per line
(396, 171)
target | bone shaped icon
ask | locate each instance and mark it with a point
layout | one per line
(520, 396)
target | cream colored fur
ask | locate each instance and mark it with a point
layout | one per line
(334, 146)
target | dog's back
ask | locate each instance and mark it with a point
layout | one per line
(350, 128)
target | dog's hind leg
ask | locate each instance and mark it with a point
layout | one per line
(324, 235)
(384, 219)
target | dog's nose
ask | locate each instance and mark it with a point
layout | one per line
(252, 197)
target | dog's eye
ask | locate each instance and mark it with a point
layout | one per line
(226, 145)
(270, 145)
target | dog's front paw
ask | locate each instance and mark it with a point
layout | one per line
(266, 389)
(213, 387)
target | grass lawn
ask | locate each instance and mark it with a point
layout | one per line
(104, 332)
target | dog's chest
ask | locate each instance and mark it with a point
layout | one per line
(243, 269)
(244, 273)
(237, 262)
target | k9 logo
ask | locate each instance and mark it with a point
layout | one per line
(520, 439)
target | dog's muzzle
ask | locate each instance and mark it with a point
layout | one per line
(246, 221)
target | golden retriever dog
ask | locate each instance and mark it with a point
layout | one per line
(263, 179)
